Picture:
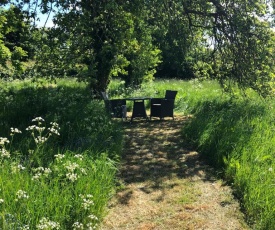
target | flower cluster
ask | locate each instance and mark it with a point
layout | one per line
(3, 141)
(87, 201)
(78, 226)
(15, 130)
(90, 226)
(40, 171)
(4, 153)
(1, 201)
(71, 167)
(59, 157)
(47, 224)
(79, 156)
(54, 129)
(38, 133)
(38, 119)
(21, 195)
(17, 167)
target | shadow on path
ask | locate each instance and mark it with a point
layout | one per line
(155, 152)
(165, 184)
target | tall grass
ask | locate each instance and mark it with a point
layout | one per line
(58, 154)
(235, 134)
(68, 184)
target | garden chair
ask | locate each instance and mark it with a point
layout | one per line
(115, 107)
(163, 107)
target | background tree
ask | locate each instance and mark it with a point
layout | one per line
(15, 41)
(95, 40)
(223, 39)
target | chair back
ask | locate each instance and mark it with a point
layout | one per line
(104, 96)
(170, 94)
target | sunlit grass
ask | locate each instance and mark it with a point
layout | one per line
(58, 151)
(235, 134)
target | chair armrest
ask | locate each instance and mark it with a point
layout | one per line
(156, 101)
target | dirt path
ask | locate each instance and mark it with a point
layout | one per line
(167, 186)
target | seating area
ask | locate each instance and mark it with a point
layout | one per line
(163, 107)
(115, 107)
(159, 107)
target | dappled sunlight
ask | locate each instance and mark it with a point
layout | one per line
(165, 184)
(154, 151)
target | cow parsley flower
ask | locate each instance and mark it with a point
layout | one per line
(4, 153)
(4, 140)
(77, 226)
(21, 195)
(87, 201)
(72, 176)
(47, 224)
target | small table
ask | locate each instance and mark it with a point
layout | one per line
(138, 107)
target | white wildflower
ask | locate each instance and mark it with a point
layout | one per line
(78, 225)
(54, 124)
(47, 224)
(4, 140)
(54, 131)
(93, 217)
(40, 140)
(40, 171)
(15, 130)
(25, 227)
(79, 156)
(21, 167)
(91, 226)
(71, 166)
(21, 195)
(16, 168)
(1, 201)
(59, 157)
(40, 129)
(87, 201)
(72, 176)
(38, 119)
(31, 127)
(4, 153)
(36, 176)
(83, 171)
(47, 171)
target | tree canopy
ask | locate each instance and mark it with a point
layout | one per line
(228, 40)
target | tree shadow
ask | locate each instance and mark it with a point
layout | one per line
(155, 151)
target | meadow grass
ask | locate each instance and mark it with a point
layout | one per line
(58, 156)
(66, 181)
(234, 133)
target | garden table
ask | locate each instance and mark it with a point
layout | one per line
(138, 107)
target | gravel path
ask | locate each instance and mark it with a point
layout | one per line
(165, 185)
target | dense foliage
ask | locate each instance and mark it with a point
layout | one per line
(57, 150)
(236, 136)
(231, 41)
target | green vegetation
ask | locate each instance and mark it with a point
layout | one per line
(95, 42)
(62, 172)
(230, 41)
(234, 133)
(58, 155)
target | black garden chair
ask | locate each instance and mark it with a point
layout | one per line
(163, 107)
(115, 107)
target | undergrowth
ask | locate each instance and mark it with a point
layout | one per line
(236, 135)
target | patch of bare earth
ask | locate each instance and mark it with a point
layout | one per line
(167, 185)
